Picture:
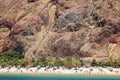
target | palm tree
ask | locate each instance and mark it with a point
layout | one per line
(25, 62)
(116, 63)
(94, 63)
(43, 61)
(50, 61)
(76, 62)
(58, 62)
(119, 59)
(68, 61)
(110, 61)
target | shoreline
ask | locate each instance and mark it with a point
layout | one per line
(45, 73)
(63, 74)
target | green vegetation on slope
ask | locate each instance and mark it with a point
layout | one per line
(14, 58)
(10, 58)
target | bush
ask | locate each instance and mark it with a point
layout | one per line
(5, 30)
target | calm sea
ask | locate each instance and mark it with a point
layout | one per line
(55, 77)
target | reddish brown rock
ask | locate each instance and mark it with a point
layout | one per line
(60, 27)
(115, 38)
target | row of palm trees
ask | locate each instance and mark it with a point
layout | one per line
(112, 62)
(44, 61)
(16, 59)
(56, 61)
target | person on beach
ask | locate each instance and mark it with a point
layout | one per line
(90, 71)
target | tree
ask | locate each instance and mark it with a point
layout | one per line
(81, 62)
(25, 62)
(50, 61)
(119, 59)
(3, 63)
(10, 58)
(58, 62)
(76, 62)
(110, 61)
(94, 63)
(11, 55)
(68, 61)
(116, 63)
(34, 62)
(43, 61)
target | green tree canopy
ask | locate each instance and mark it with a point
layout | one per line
(94, 63)
(11, 55)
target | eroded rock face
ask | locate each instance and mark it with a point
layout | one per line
(62, 27)
(70, 17)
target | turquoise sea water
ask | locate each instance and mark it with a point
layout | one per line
(55, 77)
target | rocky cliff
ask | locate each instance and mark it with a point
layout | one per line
(88, 28)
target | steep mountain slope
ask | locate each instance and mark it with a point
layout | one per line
(60, 27)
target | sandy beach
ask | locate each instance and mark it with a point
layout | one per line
(61, 70)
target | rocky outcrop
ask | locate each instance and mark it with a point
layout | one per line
(31, 0)
(61, 27)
